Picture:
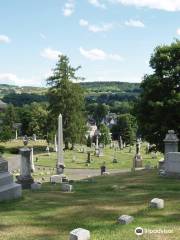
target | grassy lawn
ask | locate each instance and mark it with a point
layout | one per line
(123, 156)
(49, 214)
(77, 159)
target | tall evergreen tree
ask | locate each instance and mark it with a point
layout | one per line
(67, 98)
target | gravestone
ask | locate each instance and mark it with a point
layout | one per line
(170, 166)
(88, 157)
(79, 234)
(100, 153)
(157, 203)
(56, 179)
(125, 219)
(36, 186)
(120, 142)
(171, 142)
(103, 169)
(65, 187)
(138, 157)
(8, 189)
(47, 150)
(25, 178)
(34, 137)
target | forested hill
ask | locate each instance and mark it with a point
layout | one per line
(103, 92)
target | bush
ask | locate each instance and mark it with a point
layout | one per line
(2, 150)
(13, 150)
(41, 149)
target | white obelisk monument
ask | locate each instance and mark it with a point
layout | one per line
(60, 157)
(16, 135)
(55, 143)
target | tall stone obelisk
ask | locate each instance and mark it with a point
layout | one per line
(55, 143)
(60, 157)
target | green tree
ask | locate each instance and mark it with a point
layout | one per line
(34, 119)
(8, 119)
(100, 111)
(159, 103)
(105, 134)
(67, 98)
(126, 127)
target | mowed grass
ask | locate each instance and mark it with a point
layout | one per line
(77, 159)
(74, 159)
(49, 214)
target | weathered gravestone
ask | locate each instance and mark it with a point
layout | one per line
(171, 163)
(138, 157)
(125, 219)
(25, 178)
(8, 189)
(36, 186)
(100, 153)
(157, 203)
(79, 234)
(65, 187)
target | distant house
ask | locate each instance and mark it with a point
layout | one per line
(3, 106)
(110, 119)
(91, 130)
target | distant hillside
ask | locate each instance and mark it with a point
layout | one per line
(8, 89)
(104, 92)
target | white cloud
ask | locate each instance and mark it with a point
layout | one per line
(99, 54)
(97, 3)
(50, 54)
(83, 23)
(4, 39)
(178, 31)
(167, 5)
(68, 8)
(95, 28)
(10, 78)
(102, 28)
(134, 23)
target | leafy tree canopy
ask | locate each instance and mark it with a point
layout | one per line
(159, 103)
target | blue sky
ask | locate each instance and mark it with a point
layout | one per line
(111, 39)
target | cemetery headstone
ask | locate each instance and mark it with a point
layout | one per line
(34, 137)
(125, 219)
(171, 142)
(157, 203)
(103, 169)
(65, 187)
(8, 189)
(79, 234)
(171, 163)
(36, 186)
(88, 157)
(25, 178)
(138, 157)
(100, 153)
(47, 150)
(120, 142)
(56, 179)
